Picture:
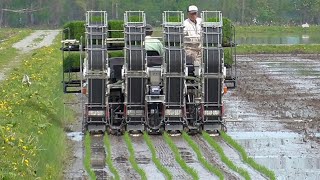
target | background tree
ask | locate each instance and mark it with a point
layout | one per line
(48, 13)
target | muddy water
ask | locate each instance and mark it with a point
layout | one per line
(274, 114)
(237, 160)
(143, 158)
(76, 170)
(120, 154)
(213, 157)
(190, 158)
(166, 157)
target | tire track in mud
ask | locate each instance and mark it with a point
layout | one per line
(143, 158)
(212, 157)
(190, 158)
(234, 156)
(98, 157)
(166, 157)
(120, 155)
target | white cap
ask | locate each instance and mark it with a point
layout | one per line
(192, 9)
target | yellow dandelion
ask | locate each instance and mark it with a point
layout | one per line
(24, 147)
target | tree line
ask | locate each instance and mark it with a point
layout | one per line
(48, 13)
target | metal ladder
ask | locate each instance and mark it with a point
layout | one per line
(96, 71)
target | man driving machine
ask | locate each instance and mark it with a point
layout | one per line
(192, 31)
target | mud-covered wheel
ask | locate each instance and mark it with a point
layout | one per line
(109, 130)
(186, 129)
(224, 128)
(161, 130)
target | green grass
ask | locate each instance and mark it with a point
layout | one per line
(32, 118)
(7, 33)
(275, 29)
(201, 158)
(87, 157)
(262, 169)
(278, 49)
(224, 158)
(156, 160)
(178, 157)
(7, 52)
(109, 162)
(132, 158)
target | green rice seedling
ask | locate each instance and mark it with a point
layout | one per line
(224, 158)
(156, 160)
(179, 159)
(109, 162)
(132, 158)
(87, 157)
(262, 169)
(201, 158)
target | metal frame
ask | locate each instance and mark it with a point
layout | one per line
(232, 78)
(71, 78)
(213, 78)
(97, 72)
(135, 70)
(175, 71)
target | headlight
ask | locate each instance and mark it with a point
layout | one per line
(96, 113)
(173, 112)
(212, 113)
(135, 113)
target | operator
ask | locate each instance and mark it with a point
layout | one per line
(152, 44)
(192, 32)
(192, 25)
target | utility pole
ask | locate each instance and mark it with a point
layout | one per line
(242, 13)
(117, 10)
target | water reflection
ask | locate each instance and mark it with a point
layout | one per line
(258, 38)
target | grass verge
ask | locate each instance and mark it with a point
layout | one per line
(279, 49)
(87, 157)
(201, 158)
(113, 170)
(7, 52)
(132, 158)
(179, 159)
(262, 169)
(32, 140)
(156, 160)
(224, 158)
(276, 29)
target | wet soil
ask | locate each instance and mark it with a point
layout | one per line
(143, 158)
(120, 157)
(213, 157)
(274, 113)
(190, 157)
(166, 157)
